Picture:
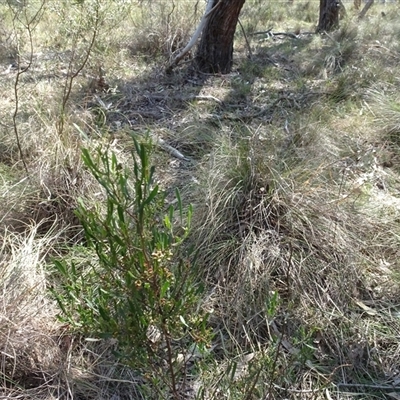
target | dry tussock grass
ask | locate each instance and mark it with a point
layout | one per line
(300, 228)
(163, 28)
(30, 356)
(47, 197)
(39, 356)
(385, 105)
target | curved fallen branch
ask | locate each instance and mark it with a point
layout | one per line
(209, 10)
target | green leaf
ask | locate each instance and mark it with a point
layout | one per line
(231, 370)
(151, 174)
(114, 162)
(60, 267)
(60, 301)
(189, 216)
(180, 208)
(167, 222)
(164, 289)
(119, 241)
(151, 196)
(121, 213)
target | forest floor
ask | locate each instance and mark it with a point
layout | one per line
(291, 163)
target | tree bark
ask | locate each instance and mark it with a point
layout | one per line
(328, 15)
(215, 51)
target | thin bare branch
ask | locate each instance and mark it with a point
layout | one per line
(367, 6)
(71, 76)
(245, 38)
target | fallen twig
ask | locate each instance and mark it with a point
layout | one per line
(171, 150)
(205, 97)
(268, 31)
(292, 35)
(183, 97)
(369, 386)
(289, 34)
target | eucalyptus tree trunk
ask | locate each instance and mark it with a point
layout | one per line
(328, 15)
(215, 51)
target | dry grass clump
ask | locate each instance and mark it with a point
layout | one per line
(330, 55)
(39, 357)
(48, 195)
(163, 28)
(362, 50)
(30, 356)
(384, 104)
(287, 246)
(262, 216)
(386, 109)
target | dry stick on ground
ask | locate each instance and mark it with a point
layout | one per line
(269, 33)
(196, 35)
(369, 386)
(180, 97)
(289, 34)
(169, 149)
